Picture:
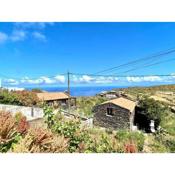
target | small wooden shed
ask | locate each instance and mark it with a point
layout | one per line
(56, 98)
(115, 114)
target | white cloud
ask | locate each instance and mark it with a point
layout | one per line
(23, 30)
(96, 80)
(18, 35)
(32, 25)
(11, 81)
(38, 35)
(47, 80)
(105, 80)
(145, 79)
(3, 37)
(86, 79)
(27, 80)
(41, 80)
(60, 78)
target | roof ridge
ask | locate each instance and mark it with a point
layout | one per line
(123, 102)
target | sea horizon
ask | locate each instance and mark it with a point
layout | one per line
(87, 90)
(80, 90)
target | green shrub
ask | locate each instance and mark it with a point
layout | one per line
(152, 109)
(70, 129)
(138, 138)
(126, 136)
(91, 140)
(49, 116)
(7, 97)
(158, 147)
(122, 135)
(22, 98)
(103, 143)
(170, 144)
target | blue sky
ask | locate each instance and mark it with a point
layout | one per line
(32, 52)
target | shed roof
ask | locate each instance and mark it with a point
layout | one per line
(123, 103)
(47, 96)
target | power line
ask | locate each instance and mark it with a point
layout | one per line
(157, 55)
(147, 65)
(94, 75)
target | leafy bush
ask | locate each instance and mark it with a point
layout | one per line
(133, 138)
(88, 140)
(85, 104)
(70, 129)
(103, 144)
(23, 98)
(170, 144)
(152, 109)
(49, 116)
(7, 97)
(27, 98)
(139, 139)
(158, 147)
(122, 135)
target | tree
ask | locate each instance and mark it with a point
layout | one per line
(152, 109)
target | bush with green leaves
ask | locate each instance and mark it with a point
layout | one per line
(21, 98)
(103, 143)
(170, 144)
(49, 116)
(136, 137)
(7, 97)
(85, 104)
(152, 109)
(80, 139)
(67, 127)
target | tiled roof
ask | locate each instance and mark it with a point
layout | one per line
(47, 96)
(123, 103)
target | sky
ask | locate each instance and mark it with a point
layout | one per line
(33, 54)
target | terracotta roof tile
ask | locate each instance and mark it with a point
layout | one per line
(123, 102)
(47, 96)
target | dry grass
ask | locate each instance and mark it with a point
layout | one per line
(7, 127)
(39, 140)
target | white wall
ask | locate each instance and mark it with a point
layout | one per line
(27, 111)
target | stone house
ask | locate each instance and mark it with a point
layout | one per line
(56, 99)
(118, 113)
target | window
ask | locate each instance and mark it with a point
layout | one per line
(110, 111)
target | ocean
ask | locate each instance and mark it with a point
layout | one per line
(80, 90)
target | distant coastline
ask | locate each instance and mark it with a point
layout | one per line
(86, 90)
(81, 90)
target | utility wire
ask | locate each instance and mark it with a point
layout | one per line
(121, 74)
(157, 55)
(144, 75)
(146, 65)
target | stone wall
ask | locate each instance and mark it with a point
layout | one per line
(122, 118)
(29, 112)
